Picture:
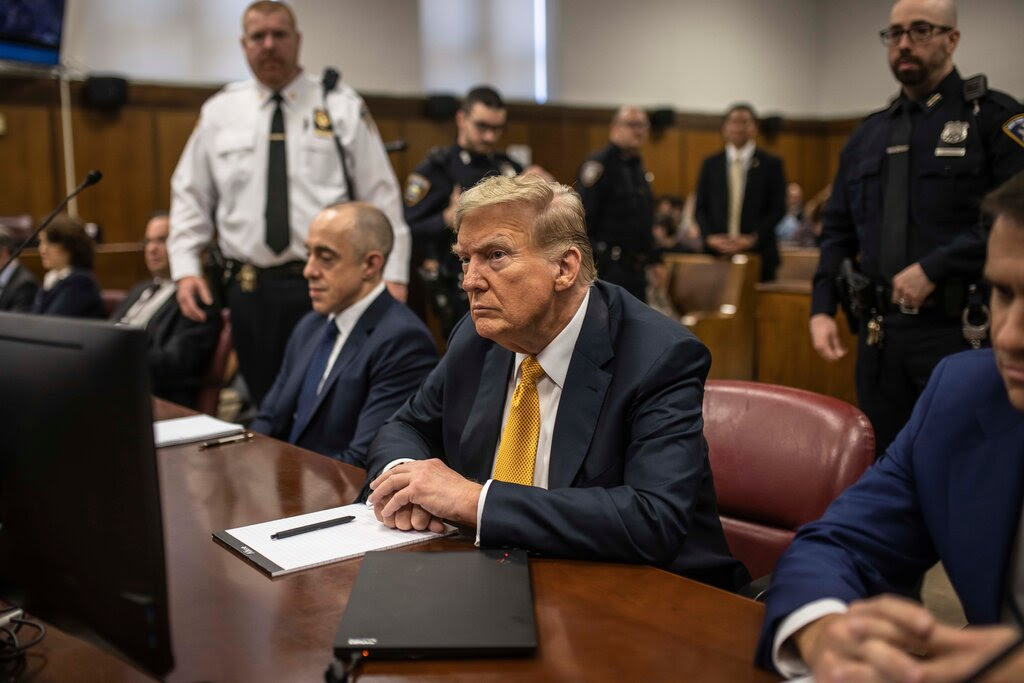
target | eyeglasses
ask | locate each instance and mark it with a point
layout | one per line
(482, 128)
(919, 32)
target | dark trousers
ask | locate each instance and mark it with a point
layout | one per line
(261, 322)
(890, 379)
(633, 280)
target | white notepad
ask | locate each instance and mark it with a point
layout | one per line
(193, 428)
(324, 546)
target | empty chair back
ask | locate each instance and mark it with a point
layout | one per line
(779, 457)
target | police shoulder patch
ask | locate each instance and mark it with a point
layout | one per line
(416, 188)
(591, 173)
(1015, 129)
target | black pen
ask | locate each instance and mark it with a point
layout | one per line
(287, 533)
(245, 436)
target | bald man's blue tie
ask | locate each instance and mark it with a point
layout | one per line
(314, 372)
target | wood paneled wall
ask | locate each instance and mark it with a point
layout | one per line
(138, 146)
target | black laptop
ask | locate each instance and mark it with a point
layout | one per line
(408, 605)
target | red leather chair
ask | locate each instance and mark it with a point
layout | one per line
(779, 457)
(213, 379)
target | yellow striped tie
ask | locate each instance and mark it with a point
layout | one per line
(518, 449)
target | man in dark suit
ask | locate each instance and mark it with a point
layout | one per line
(741, 194)
(18, 286)
(179, 349)
(949, 488)
(353, 360)
(565, 417)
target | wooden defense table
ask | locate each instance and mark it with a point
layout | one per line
(230, 622)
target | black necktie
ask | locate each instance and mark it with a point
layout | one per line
(311, 382)
(278, 233)
(896, 208)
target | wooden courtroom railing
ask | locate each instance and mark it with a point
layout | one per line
(784, 352)
(714, 297)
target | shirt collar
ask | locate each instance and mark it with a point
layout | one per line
(742, 153)
(52, 277)
(555, 357)
(288, 93)
(347, 319)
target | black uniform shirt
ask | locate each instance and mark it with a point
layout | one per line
(618, 202)
(428, 191)
(956, 157)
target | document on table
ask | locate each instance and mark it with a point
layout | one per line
(311, 549)
(181, 430)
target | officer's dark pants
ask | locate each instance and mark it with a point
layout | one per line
(890, 379)
(261, 322)
(633, 281)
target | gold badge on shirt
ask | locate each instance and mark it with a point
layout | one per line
(322, 122)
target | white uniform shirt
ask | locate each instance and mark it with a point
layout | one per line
(221, 177)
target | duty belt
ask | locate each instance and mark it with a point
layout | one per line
(248, 276)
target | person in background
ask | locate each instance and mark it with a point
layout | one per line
(69, 288)
(264, 159)
(179, 349)
(616, 192)
(18, 286)
(787, 230)
(741, 194)
(904, 212)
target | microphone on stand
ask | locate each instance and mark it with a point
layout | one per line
(91, 178)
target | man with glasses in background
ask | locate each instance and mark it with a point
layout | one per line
(433, 189)
(904, 212)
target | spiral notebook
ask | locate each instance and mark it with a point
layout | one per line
(278, 557)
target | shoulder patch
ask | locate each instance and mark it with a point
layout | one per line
(591, 172)
(416, 188)
(1015, 129)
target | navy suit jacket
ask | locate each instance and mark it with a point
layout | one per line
(179, 350)
(764, 203)
(20, 291)
(381, 363)
(629, 479)
(949, 488)
(76, 296)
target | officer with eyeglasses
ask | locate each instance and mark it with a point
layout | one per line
(616, 193)
(904, 212)
(433, 189)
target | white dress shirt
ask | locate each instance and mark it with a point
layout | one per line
(346, 322)
(221, 178)
(745, 154)
(52, 277)
(150, 301)
(554, 359)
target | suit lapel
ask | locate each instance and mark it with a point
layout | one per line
(987, 487)
(483, 426)
(350, 349)
(586, 384)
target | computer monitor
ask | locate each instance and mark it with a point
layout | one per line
(31, 31)
(81, 537)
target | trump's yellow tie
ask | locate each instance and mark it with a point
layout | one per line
(518, 449)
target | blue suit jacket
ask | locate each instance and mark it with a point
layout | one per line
(383, 360)
(949, 488)
(629, 477)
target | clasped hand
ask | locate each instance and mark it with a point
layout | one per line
(422, 494)
(893, 639)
